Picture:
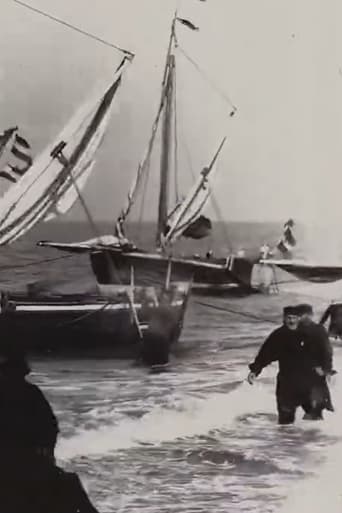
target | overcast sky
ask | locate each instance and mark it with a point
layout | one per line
(279, 60)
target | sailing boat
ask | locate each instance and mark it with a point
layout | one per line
(113, 319)
(182, 219)
(305, 270)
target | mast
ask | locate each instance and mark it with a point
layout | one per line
(168, 83)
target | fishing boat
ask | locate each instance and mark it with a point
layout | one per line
(301, 268)
(114, 319)
(176, 218)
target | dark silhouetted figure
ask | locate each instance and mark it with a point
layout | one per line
(30, 480)
(334, 312)
(157, 339)
(319, 361)
(297, 383)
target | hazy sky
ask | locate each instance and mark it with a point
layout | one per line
(279, 60)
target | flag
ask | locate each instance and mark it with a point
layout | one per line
(5, 138)
(19, 159)
(198, 229)
(288, 241)
(187, 23)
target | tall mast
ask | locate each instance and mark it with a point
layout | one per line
(168, 87)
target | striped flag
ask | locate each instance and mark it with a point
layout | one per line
(17, 154)
(287, 242)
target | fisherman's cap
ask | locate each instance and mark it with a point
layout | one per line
(304, 308)
(290, 310)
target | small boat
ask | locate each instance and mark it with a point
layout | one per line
(302, 269)
(305, 270)
(90, 325)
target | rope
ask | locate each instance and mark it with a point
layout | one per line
(144, 189)
(235, 312)
(212, 198)
(82, 317)
(222, 223)
(204, 75)
(39, 262)
(76, 29)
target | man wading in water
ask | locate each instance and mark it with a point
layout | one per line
(303, 365)
(320, 357)
(30, 481)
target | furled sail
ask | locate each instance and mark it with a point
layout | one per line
(188, 215)
(101, 242)
(52, 184)
(198, 229)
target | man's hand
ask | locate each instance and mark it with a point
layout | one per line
(251, 378)
(330, 375)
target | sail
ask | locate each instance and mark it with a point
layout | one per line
(143, 165)
(52, 184)
(194, 203)
(72, 194)
(166, 113)
(198, 229)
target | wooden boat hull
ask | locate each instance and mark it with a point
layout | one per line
(214, 276)
(94, 326)
(309, 272)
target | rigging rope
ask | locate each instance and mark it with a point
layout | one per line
(39, 262)
(219, 215)
(143, 196)
(235, 312)
(212, 198)
(204, 75)
(83, 316)
(73, 27)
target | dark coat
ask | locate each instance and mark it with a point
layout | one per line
(333, 311)
(39, 487)
(318, 347)
(27, 422)
(298, 353)
(285, 347)
(30, 481)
